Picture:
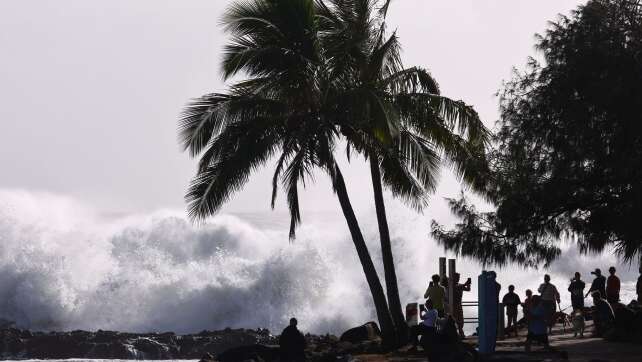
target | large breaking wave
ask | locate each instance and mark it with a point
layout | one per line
(64, 267)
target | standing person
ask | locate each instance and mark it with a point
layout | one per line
(292, 343)
(427, 328)
(577, 292)
(638, 287)
(549, 296)
(598, 285)
(612, 287)
(511, 301)
(437, 294)
(527, 305)
(537, 324)
(458, 310)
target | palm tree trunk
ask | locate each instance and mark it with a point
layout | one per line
(392, 289)
(383, 313)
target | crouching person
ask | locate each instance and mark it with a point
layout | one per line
(603, 315)
(427, 328)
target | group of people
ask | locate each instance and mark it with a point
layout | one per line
(540, 311)
(436, 306)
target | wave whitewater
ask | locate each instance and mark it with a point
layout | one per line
(64, 267)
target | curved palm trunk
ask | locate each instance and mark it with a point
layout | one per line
(383, 313)
(392, 289)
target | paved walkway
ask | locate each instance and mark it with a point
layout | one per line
(585, 349)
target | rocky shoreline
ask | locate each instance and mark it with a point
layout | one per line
(24, 344)
(223, 345)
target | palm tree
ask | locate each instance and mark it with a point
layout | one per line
(286, 108)
(397, 119)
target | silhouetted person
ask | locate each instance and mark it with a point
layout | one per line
(292, 343)
(458, 310)
(537, 323)
(603, 316)
(527, 305)
(577, 292)
(511, 302)
(437, 294)
(612, 287)
(638, 287)
(427, 328)
(598, 285)
(550, 297)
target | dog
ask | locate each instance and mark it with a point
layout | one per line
(577, 318)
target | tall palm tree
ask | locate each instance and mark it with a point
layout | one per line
(285, 108)
(397, 119)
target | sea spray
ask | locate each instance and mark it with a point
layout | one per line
(63, 267)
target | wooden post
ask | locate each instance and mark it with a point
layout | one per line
(451, 285)
(442, 267)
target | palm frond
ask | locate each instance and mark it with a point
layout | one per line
(241, 148)
(411, 80)
(200, 121)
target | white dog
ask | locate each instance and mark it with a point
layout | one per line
(577, 319)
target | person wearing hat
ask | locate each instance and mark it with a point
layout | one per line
(598, 285)
(612, 287)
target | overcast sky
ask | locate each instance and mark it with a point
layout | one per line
(90, 91)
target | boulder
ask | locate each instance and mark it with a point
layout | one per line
(151, 349)
(367, 332)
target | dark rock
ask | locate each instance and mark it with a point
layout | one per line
(105, 336)
(148, 348)
(367, 332)
(113, 350)
(255, 352)
(59, 346)
(207, 357)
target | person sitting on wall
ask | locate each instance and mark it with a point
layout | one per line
(427, 329)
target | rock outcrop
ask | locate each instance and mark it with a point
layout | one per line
(16, 343)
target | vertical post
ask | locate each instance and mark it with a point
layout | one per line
(487, 311)
(442, 267)
(412, 314)
(451, 286)
(500, 321)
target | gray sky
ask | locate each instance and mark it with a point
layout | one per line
(90, 90)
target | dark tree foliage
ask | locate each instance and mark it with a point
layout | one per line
(567, 158)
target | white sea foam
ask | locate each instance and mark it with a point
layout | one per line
(64, 267)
